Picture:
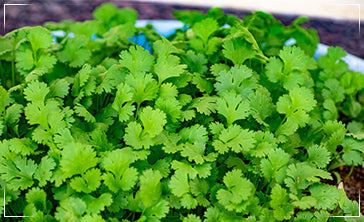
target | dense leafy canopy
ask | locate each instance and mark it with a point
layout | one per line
(214, 123)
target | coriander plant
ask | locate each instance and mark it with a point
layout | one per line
(212, 123)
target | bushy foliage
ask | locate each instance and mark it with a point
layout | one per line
(214, 123)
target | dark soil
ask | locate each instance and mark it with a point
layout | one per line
(331, 31)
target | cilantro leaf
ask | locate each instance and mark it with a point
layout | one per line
(335, 133)
(280, 203)
(239, 79)
(232, 107)
(205, 28)
(44, 171)
(77, 158)
(123, 102)
(75, 52)
(261, 105)
(238, 189)
(168, 66)
(204, 105)
(119, 173)
(96, 205)
(89, 181)
(135, 137)
(179, 184)
(36, 92)
(150, 189)
(295, 106)
(39, 38)
(234, 138)
(326, 196)
(277, 159)
(144, 87)
(152, 120)
(18, 174)
(238, 50)
(318, 155)
(290, 69)
(136, 59)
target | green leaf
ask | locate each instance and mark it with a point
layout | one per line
(293, 58)
(335, 133)
(135, 137)
(153, 121)
(204, 105)
(238, 189)
(83, 112)
(238, 50)
(38, 197)
(39, 38)
(205, 28)
(290, 71)
(194, 148)
(150, 189)
(70, 209)
(36, 92)
(191, 218)
(59, 88)
(332, 60)
(122, 102)
(44, 171)
(318, 155)
(89, 181)
(277, 159)
(95, 205)
(283, 210)
(306, 202)
(168, 66)
(158, 210)
(302, 174)
(136, 59)
(144, 87)
(164, 47)
(110, 79)
(23, 146)
(295, 106)
(77, 158)
(171, 144)
(327, 196)
(261, 105)
(18, 174)
(25, 60)
(171, 107)
(232, 107)
(239, 79)
(333, 90)
(75, 52)
(119, 173)
(179, 184)
(234, 138)
(265, 142)
(352, 82)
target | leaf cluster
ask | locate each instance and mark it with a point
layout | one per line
(212, 123)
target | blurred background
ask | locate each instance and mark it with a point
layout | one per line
(337, 22)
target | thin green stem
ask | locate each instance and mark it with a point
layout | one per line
(350, 172)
